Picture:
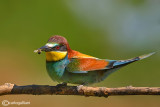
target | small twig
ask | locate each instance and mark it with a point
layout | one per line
(9, 89)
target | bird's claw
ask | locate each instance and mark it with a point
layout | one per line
(64, 84)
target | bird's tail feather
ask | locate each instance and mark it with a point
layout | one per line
(120, 63)
(146, 55)
(117, 64)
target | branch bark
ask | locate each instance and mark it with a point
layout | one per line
(10, 89)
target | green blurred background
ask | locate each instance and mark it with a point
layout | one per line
(112, 29)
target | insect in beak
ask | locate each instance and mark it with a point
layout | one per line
(39, 50)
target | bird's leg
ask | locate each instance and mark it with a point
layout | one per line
(64, 84)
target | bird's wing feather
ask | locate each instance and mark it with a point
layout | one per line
(83, 65)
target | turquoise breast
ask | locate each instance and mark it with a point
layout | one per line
(56, 69)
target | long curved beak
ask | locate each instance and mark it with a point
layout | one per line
(39, 50)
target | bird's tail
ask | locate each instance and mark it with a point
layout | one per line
(117, 64)
(120, 63)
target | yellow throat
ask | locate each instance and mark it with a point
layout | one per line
(55, 56)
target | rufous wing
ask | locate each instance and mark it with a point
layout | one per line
(83, 65)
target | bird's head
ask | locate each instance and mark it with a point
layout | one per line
(56, 48)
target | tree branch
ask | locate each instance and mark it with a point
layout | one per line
(9, 89)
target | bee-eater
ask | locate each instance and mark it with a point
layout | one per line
(69, 66)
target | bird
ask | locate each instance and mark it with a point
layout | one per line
(65, 65)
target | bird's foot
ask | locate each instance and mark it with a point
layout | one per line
(64, 84)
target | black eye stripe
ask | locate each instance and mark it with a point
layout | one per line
(61, 48)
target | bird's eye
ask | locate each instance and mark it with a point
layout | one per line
(57, 47)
